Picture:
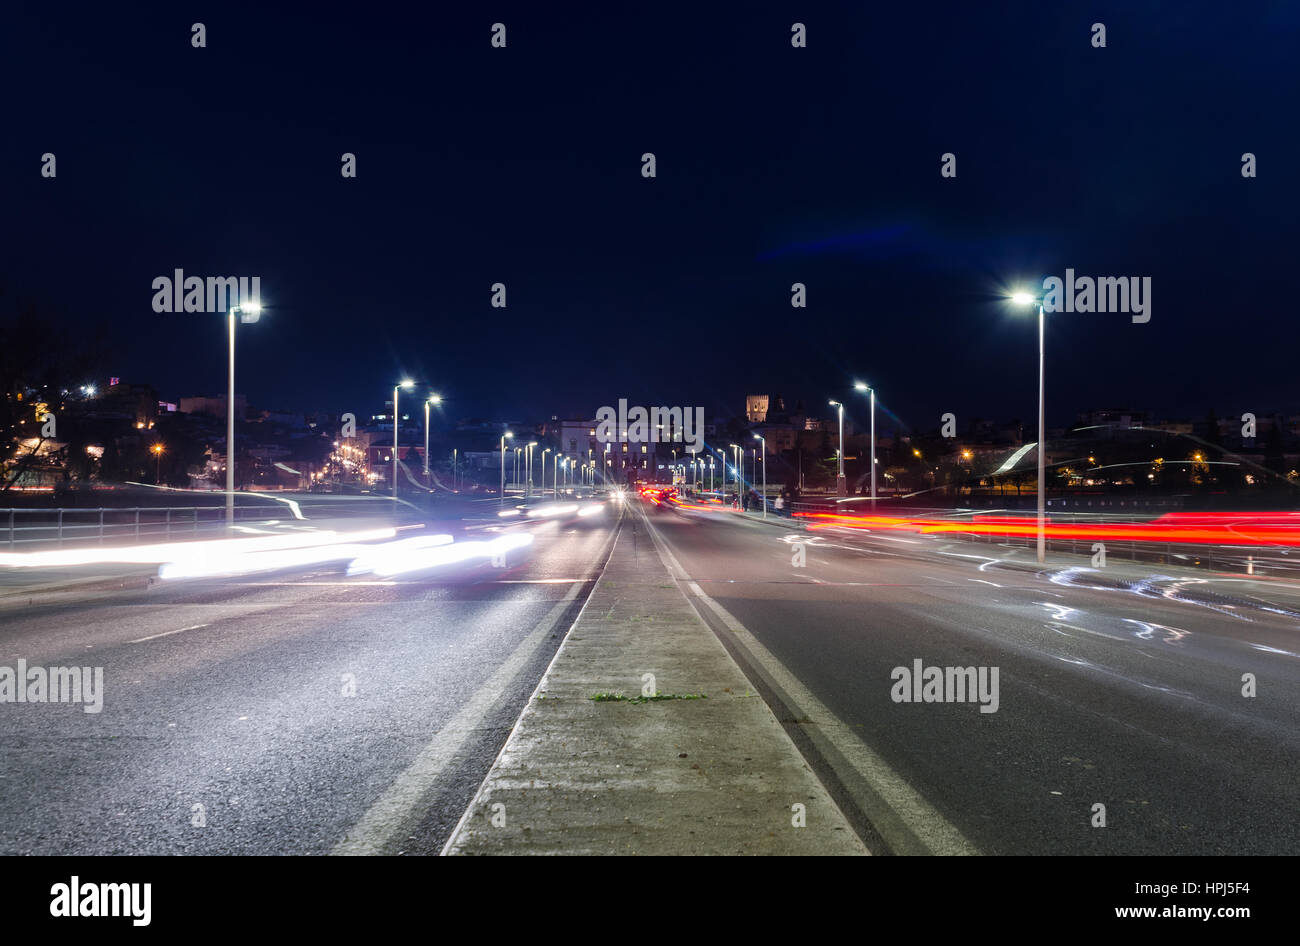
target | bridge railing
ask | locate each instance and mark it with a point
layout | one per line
(25, 528)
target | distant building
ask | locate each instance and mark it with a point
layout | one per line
(1115, 418)
(213, 406)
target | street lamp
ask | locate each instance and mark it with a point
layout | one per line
(248, 313)
(158, 452)
(735, 468)
(763, 441)
(431, 400)
(861, 386)
(502, 500)
(544, 453)
(555, 475)
(841, 486)
(401, 384)
(1022, 299)
(528, 487)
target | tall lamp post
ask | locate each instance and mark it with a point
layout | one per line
(841, 485)
(528, 487)
(555, 475)
(735, 468)
(396, 415)
(430, 400)
(763, 441)
(861, 386)
(1024, 298)
(502, 500)
(248, 313)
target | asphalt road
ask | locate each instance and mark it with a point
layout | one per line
(1120, 687)
(232, 695)
(227, 725)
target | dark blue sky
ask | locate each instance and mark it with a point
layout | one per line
(775, 165)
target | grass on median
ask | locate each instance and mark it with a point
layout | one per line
(620, 698)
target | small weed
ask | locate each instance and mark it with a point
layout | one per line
(620, 698)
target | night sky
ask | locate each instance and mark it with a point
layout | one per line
(775, 165)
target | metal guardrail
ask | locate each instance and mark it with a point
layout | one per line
(61, 527)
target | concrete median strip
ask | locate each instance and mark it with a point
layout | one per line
(703, 769)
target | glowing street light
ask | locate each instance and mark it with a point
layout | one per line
(502, 500)
(841, 485)
(863, 386)
(433, 399)
(1024, 299)
(763, 441)
(157, 452)
(396, 414)
(735, 469)
(249, 312)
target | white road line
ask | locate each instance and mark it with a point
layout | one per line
(393, 584)
(896, 810)
(179, 630)
(386, 817)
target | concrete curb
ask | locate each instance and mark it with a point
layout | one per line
(678, 776)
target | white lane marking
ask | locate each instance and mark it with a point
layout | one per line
(386, 816)
(179, 630)
(391, 811)
(531, 581)
(317, 584)
(905, 809)
(983, 582)
(392, 584)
